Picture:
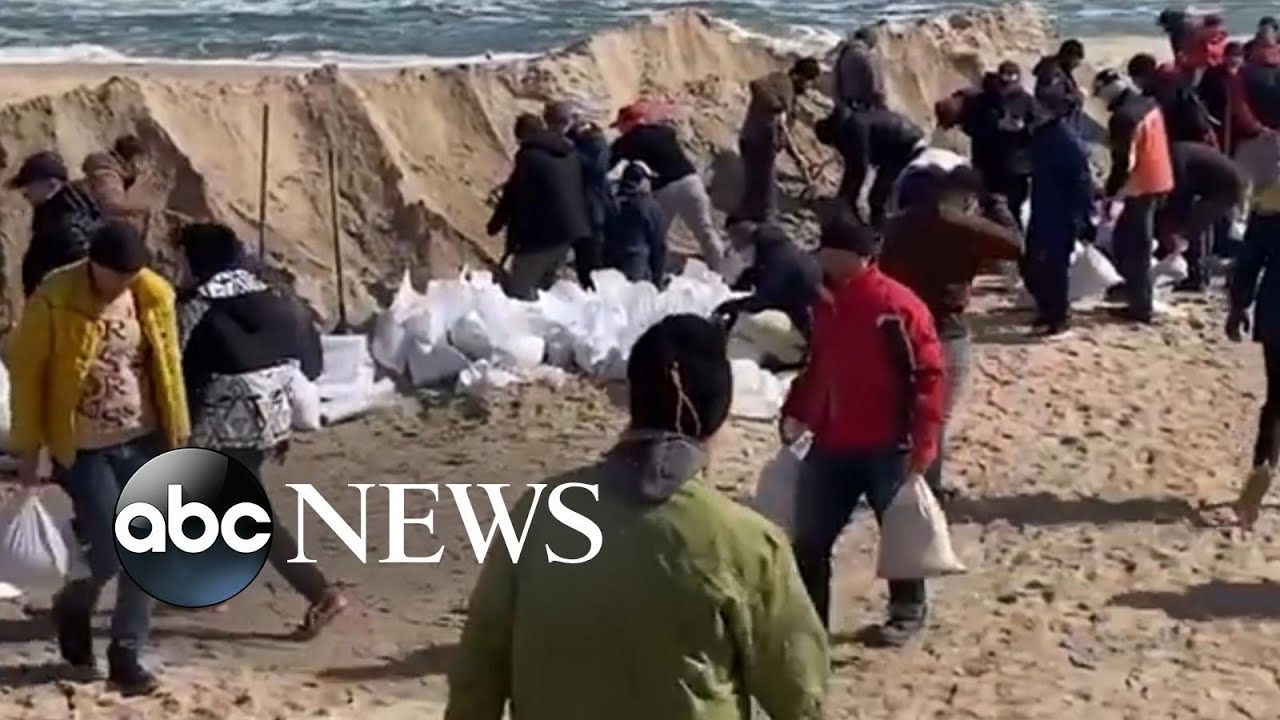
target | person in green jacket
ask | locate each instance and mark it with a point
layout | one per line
(693, 607)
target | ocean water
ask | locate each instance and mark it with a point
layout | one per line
(403, 31)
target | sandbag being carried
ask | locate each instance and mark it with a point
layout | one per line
(915, 542)
(772, 333)
(779, 484)
(1091, 274)
(33, 553)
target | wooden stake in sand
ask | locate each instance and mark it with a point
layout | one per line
(262, 185)
(342, 326)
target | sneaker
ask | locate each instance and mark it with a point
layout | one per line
(126, 675)
(74, 627)
(1249, 504)
(898, 632)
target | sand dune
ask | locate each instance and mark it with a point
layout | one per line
(418, 151)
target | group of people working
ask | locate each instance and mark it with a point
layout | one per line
(110, 367)
(731, 617)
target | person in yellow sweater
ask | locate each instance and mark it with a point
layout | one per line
(97, 381)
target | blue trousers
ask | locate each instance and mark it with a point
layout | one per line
(94, 482)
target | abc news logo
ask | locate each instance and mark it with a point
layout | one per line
(193, 527)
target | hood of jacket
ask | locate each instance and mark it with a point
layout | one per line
(225, 289)
(549, 142)
(648, 467)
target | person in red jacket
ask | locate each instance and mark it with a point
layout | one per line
(872, 394)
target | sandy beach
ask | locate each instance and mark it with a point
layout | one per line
(1091, 467)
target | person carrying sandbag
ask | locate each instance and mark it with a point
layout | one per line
(872, 394)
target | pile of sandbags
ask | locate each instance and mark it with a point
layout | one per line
(467, 332)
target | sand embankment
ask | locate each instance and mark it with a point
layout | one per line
(418, 150)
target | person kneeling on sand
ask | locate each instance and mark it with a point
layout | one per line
(937, 249)
(693, 606)
(95, 365)
(872, 394)
(241, 342)
(677, 187)
(635, 241)
(780, 275)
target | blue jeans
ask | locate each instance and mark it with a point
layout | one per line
(957, 355)
(830, 488)
(94, 482)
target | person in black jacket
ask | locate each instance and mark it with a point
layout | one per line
(241, 343)
(1056, 83)
(999, 120)
(1207, 187)
(593, 153)
(781, 276)
(64, 217)
(877, 138)
(544, 211)
(677, 187)
(635, 241)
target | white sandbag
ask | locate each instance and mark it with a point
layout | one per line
(521, 351)
(483, 377)
(915, 542)
(374, 396)
(432, 364)
(779, 483)
(1170, 270)
(6, 418)
(33, 553)
(304, 396)
(772, 333)
(472, 336)
(348, 366)
(387, 346)
(757, 394)
(9, 592)
(1091, 274)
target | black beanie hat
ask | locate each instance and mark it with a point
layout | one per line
(118, 246)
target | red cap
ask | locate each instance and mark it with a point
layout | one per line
(631, 115)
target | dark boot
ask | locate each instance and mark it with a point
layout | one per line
(74, 626)
(899, 631)
(126, 675)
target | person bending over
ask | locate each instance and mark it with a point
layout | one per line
(781, 276)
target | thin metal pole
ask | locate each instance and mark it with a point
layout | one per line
(337, 245)
(262, 185)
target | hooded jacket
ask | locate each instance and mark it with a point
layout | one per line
(783, 277)
(634, 239)
(60, 230)
(702, 593)
(240, 344)
(543, 203)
